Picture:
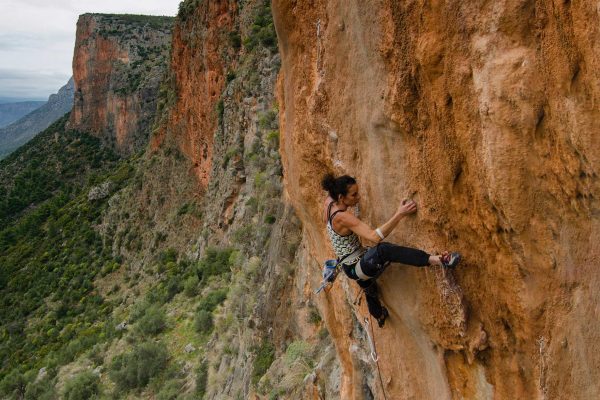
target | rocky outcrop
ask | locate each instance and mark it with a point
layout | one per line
(118, 65)
(485, 114)
(21, 131)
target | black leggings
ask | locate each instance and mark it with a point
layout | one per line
(374, 261)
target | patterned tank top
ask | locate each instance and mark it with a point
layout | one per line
(343, 246)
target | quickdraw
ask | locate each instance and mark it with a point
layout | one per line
(374, 355)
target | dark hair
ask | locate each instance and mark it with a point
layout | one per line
(337, 186)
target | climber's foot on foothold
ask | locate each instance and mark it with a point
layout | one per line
(450, 260)
(383, 317)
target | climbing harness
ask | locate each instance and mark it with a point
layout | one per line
(331, 269)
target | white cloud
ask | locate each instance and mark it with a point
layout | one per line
(38, 36)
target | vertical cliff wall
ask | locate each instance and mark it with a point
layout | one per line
(118, 64)
(201, 52)
(486, 114)
(219, 116)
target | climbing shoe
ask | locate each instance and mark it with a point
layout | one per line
(382, 317)
(450, 260)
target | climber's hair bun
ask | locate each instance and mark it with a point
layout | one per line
(337, 186)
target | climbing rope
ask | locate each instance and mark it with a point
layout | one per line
(374, 356)
(357, 298)
(319, 47)
(371, 338)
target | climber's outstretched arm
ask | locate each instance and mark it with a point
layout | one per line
(348, 220)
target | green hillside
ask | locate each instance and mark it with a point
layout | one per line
(49, 250)
(54, 258)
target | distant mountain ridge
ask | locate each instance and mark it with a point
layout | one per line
(10, 112)
(20, 132)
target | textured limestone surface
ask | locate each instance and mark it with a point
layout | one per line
(118, 64)
(200, 50)
(486, 114)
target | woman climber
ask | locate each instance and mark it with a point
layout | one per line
(365, 265)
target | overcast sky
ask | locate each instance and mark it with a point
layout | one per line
(37, 39)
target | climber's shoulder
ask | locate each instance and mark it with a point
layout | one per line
(326, 204)
(346, 219)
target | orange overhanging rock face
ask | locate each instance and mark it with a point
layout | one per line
(487, 115)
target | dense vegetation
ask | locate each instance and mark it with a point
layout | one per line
(262, 30)
(50, 252)
(55, 161)
(186, 8)
(55, 191)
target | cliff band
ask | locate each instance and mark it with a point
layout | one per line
(118, 65)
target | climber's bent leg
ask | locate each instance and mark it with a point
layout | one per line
(374, 260)
(372, 297)
(400, 254)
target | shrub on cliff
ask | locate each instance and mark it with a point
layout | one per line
(135, 369)
(298, 350)
(265, 355)
(84, 386)
(203, 322)
(138, 310)
(190, 286)
(187, 8)
(215, 262)
(41, 389)
(212, 300)
(170, 390)
(201, 379)
(153, 322)
(13, 385)
(235, 40)
(153, 21)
